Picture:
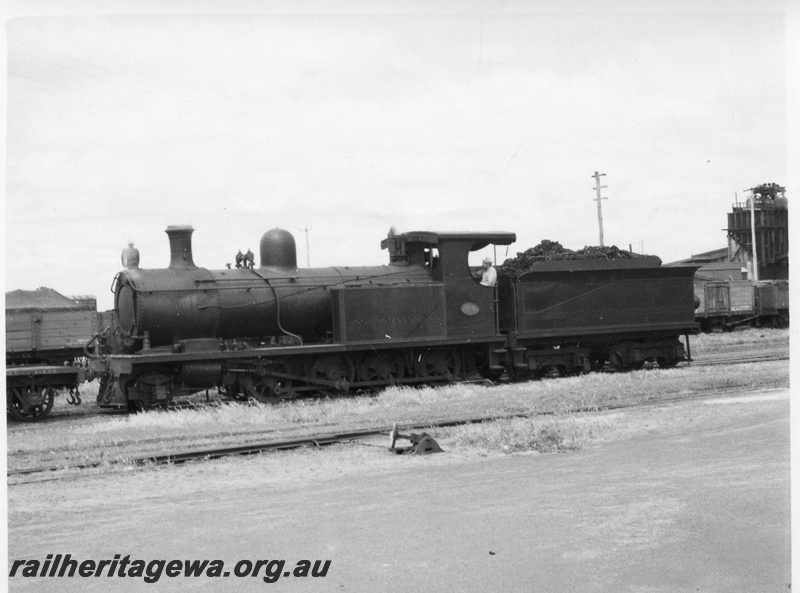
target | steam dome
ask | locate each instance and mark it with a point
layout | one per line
(278, 249)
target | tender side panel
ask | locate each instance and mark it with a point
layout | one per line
(606, 299)
(389, 313)
(48, 330)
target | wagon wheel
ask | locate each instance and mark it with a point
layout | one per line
(438, 364)
(386, 367)
(29, 405)
(666, 363)
(335, 368)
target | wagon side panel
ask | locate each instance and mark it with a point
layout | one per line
(741, 295)
(29, 331)
(20, 332)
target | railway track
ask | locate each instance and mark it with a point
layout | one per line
(327, 439)
(90, 411)
(729, 360)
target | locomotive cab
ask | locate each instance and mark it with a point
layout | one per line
(471, 309)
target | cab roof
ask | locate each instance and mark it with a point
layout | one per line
(480, 240)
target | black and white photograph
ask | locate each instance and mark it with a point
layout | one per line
(392, 296)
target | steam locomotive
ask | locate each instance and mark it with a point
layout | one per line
(277, 331)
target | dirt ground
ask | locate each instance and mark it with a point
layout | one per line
(688, 497)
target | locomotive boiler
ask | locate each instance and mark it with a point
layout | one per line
(276, 301)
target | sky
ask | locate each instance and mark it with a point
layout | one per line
(239, 117)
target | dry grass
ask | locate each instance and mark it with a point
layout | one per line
(746, 342)
(551, 434)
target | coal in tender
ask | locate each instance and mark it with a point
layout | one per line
(552, 251)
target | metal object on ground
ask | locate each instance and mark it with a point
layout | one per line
(421, 444)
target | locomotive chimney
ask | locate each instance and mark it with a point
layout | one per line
(180, 247)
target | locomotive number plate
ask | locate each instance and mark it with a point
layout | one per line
(470, 308)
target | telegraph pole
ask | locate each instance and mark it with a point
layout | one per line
(753, 232)
(599, 199)
(308, 251)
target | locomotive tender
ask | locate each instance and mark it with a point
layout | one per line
(277, 331)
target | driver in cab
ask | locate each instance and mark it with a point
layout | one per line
(488, 273)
